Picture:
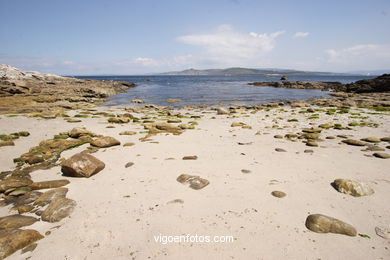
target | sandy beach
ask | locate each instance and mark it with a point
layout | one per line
(122, 208)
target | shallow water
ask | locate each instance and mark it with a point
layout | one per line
(214, 90)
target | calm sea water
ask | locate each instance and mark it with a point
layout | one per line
(213, 90)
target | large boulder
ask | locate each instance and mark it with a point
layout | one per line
(58, 209)
(13, 239)
(324, 224)
(351, 187)
(82, 165)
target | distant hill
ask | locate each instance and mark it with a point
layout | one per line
(248, 71)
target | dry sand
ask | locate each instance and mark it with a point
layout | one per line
(120, 210)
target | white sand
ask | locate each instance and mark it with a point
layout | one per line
(107, 224)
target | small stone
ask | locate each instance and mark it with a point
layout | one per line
(245, 171)
(278, 194)
(190, 157)
(324, 224)
(18, 191)
(16, 221)
(175, 201)
(128, 144)
(330, 137)
(308, 151)
(312, 130)
(222, 111)
(13, 239)
(278, 136)
(382, 155)
(280, 150)
(137, 101)
(128, 133)
(353, 142)
(129, 164)
(351, 187)
(105, 141)
(58, 209)
(311, 136)
(195, 182)
(385, 139)
(82, 165)
(312, 143)
(373, 148)
(29, 248)
(13, 182)
(371, 139)
(118, 120)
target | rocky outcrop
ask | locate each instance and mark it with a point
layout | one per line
(27, 92)
(378, 84)
(300, 84)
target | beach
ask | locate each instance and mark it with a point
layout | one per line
(136, 197)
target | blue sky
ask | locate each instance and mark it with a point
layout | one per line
(136, 37)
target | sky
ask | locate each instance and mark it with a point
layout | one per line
(125, 37)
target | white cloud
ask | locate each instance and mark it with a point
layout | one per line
(227, 45)
(367, 56)
(300, 35)
(146, 61)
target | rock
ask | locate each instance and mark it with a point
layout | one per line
(26, 198)
(222, 111)
(278, 194)
(278, 136)
(195, 182)
(312, 130)
(173, 100)
(353, 142)
(46, 197)
(7, 143)
(13, 182)
(29, 248)
(326, 125)
(13, 239)
(236, 124)
(127, 133)
(312, 136)
(163, 127)
(79, 131)
(186, 126)
(16, 221)
(312, 143)
(351, 187)
(118, 120)
(190, 157)
(323, 224)
(383, 232)
(17, 191)
(373, 148)
(129, 164)
(58, 209)
(105, 141)
(330, 137)
(48, 184)
(24, 209)
(137, 101)
(308, 151)
(280, 150)
(82, 165)
(371, 139)
(385, 139)
(245, 171)
(382, 155)
(128, 144)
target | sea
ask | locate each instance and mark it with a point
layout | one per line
(224, 90)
